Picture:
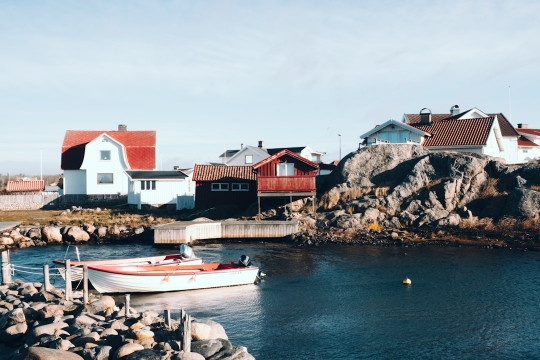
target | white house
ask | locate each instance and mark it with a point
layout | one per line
(528, 143)
(158, 188)
(468, 131)
(249, 155)
(95, 162)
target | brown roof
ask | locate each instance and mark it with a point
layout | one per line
(506, 128)
(222, 172)
(28, 185)
(457, 131)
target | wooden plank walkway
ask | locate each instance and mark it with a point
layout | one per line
(185, 232)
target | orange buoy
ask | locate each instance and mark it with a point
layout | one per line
(407, 281)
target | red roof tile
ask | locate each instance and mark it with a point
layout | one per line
(523, 141)
(457, 131)
(28, 185)
(222, 172)
(140, 147)
(529, 131)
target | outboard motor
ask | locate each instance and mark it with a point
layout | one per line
(186, 252)
(244, 261)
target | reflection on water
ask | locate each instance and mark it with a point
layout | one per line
(345, 302)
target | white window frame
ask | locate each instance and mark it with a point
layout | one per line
(240, 187)
(105, 152)
(100, 176)
(248, 159)
(148, 185)
(285, 169)
(219, 186)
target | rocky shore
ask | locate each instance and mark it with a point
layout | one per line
(41, 325)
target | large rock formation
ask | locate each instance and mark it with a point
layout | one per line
(398, 185)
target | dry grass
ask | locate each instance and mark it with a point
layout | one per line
(331, 199)
(490, 189)
(104, 217)
(374, 227)
(506, 223)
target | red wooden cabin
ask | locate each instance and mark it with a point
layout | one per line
(286, 174)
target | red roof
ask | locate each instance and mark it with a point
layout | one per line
(140, 147)
(28, 185)
(222, 172)
(535, 132)
(523, 141)
(506, 128)
(457, 131)
(286, 152)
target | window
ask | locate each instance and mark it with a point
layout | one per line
(240, 187)
(249, 159)
(285, 169)
(148, 185)
(220, 187)
(105, 178)
(105, 154)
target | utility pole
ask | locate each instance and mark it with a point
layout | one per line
(339, 146)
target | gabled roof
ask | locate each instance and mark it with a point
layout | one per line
(254, 149)
(523, 141)
(528, 131)
(394, 123)
(156, 175)
(457, 132)
(228, 153)
(25, 185)
(140, 147)
(283, 153)
(506, 128)
(223, 172)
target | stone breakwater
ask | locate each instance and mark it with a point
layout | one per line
(38, 324)
(58, 234)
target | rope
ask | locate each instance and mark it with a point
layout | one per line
(25, 272)
(26, 267)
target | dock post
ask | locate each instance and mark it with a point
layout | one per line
(6, 268)
(69, 295)
(85, 284)
(46, 279)
(259, 213)
(167, 316)
(126, 304)
(185, 330)
(313, 201)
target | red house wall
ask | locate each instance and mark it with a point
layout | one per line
(302, 181)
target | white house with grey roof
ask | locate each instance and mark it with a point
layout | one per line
(249, 155)
(158, 188)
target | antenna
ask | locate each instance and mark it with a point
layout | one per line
(509, 104)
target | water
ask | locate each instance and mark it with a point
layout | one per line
(341, 302)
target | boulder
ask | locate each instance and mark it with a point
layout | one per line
(523, 203)
(206, 330)
(41, 353)
(206, 348)
(15, 331)
(102, 231)
(77, 234)
(48, 329)
(51, 311)
(146, 354)
(6, 241)
(34, 233)
(127, 349)
(13, 317)
(189, 356)
(52, 234)
(97, 353)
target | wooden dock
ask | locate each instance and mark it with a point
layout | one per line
(185, 232)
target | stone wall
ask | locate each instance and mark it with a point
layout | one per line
(32, 201)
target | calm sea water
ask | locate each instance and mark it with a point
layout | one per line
(340, 302)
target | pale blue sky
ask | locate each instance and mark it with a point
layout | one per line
(210, 75)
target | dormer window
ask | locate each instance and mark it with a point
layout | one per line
(105, 155)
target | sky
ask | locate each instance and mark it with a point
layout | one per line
(212, 75)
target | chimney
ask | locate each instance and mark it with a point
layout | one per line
(261, 146)
(425, 116)
(523, 126)
(454, 110)
(122, 127)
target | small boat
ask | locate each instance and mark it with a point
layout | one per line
(138, 279)
(185, 256)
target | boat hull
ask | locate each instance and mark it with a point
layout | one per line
(77, 266)
(109, 281)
